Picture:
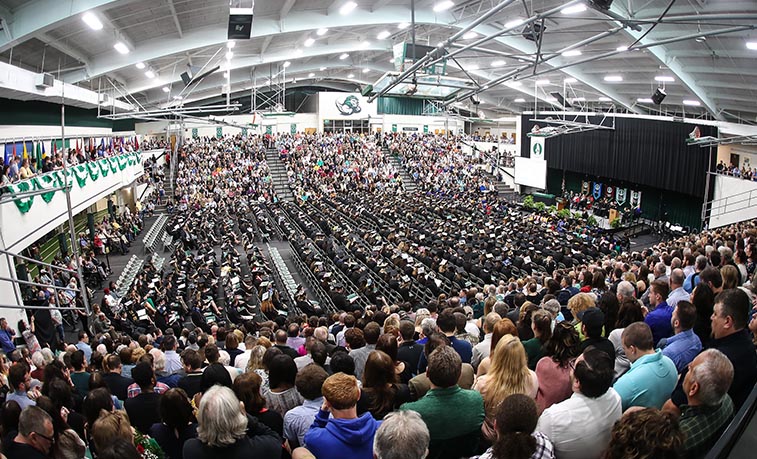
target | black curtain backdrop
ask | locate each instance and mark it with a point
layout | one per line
(647, 152)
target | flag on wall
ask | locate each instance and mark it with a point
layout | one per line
(597, 193)
(26, 153)
(44, 153)
(620, 195)
(609, 192)
(136, 143)
(585, 187)
(39, 156)
(55, 148)
(635, 199)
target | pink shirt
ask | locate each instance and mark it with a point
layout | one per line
(554, 383)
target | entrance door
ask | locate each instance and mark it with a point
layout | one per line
(735, 160)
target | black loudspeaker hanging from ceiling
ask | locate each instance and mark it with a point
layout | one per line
(602, 4)
(658, 96)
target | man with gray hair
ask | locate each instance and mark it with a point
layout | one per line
(428, 327)
(405, 428)
(625, 289)
(481, 350)
(35, 436)
(677, 293)
(709, 407)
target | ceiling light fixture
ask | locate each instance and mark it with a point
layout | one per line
(470, 35)
(403, 25)
(613, 78)
(178, 97)
(229, 55)
(694, 103)
(150, 74)
(165, 89)
(121, 48)
(499, 63)
(322, 69)
(311, 75)
(347, 8)
(542, 82)
(604, 99)
(309, 42)
(572, 52)
(621, 48)
(570, 80)
(383, 35)
(226, 74)
(351, 75)
(751, 45)
(322, 31)
(513, 84)
(443, 6)
(92, 21)
(471, 67)
(140, 65)
(366, 70)
(231, 44)
(664, 78)
(644, 100)
(578, 99)
(343, 56)
(287, 64)
(519, 100)
(579, 8)
(514, 23)
(365, 44)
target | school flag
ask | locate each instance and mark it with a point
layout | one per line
(610, 192)
(39, 156)
(620, 195)
(635, 199)
(585, 187)
(597, 193)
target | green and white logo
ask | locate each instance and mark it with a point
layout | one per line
(349, 106)
(537, 150)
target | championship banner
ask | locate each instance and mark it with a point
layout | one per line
(585, 187)
(620, 195)
(609, 192)
(597, 193)
(635, 199)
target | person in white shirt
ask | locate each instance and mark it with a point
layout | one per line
(482, 349)
(580, 427)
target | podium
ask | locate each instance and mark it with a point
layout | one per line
(613, 214)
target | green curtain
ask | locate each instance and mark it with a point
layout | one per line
(401, 106)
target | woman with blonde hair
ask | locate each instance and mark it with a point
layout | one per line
(730, 275)
(500, 329)
(577, 304)
(255, 364)
(508, 374)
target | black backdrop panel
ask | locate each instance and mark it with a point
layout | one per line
(647, 152)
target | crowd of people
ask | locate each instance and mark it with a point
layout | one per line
(481, 329)
(745, 172)
(24, 167)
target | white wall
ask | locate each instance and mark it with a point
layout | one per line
(279, 124)
(735, 200)
(434, 123)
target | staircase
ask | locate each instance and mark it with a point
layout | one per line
(279, 175)
(503, 190)
(407, 179)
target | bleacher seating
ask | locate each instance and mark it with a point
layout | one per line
(155, 234)
(129, 274)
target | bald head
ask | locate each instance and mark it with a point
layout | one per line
(676, 279)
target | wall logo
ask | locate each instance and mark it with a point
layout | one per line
(537, 150)
(349, 106)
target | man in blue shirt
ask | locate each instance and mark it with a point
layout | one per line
(659, 317)
(693, 279)
(448, 325)
(652, 376)
(6, 337)
(20, 381)
(83, 345)
(684, 346)
(677, 293)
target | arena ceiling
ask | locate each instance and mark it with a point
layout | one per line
(704, 51)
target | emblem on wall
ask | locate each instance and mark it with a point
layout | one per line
(348, 106)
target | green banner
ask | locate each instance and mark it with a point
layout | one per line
(195, 134)
(244, 132)
(394, 128)
(219, 132)
(57, 179)
(269, 129)
(293, 129)
(425, 128)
